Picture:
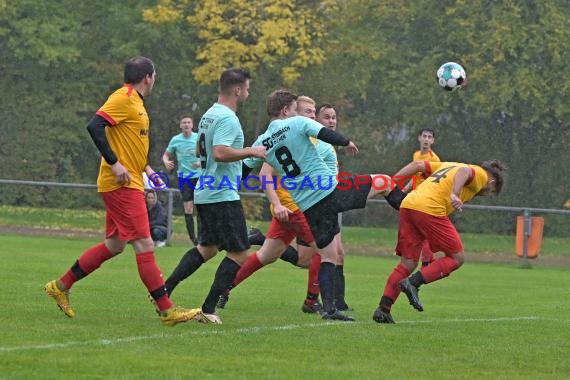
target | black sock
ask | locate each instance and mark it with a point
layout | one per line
(290, 255)
(223, 280)
(395, 197)
(339, 287)
(190, 262)
(190, 226)
(386, 304)
(417, 279)
(327, 281)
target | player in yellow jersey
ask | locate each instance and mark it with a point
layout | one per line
(424, 216)
(426, 139)
(120, 131)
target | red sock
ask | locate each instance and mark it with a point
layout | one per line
(251, 265)
(152, 278)
(439, 269)
(313, 278)
(87, 263)
(392, 290)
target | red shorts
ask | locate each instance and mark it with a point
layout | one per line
(297, 226)
(126, 216)
(416, 226)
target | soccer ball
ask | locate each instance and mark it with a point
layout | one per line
(451, 76)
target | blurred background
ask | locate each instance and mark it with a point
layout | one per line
(374, 61)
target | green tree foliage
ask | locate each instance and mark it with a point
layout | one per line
(58, 62)
(274, 40)
(374, 60)
(513, 107)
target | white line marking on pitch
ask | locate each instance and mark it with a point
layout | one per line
(106, 342)
(473, 320)
(255, 329)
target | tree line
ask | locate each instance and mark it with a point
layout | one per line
(375, 61)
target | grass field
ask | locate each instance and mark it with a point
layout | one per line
(359, 240)
(487, 320)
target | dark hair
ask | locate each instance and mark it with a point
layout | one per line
(233, 77)
(496, 169)
(427, 130)
(324, 106)
(279, 99)
(137, 68)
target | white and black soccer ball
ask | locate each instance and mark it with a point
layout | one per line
(451, 76)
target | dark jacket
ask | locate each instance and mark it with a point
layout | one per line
(157, 215)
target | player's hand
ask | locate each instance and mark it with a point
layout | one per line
(281, 213)
(351, 149)
(258, 151)
(157, 182)
(122, 176)
(155, 178)
(456, 202)
(169, 164)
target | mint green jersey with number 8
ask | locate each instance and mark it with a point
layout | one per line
(292, 154)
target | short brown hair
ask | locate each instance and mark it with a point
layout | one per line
(233, 77)
(279, 99)
(137, 68)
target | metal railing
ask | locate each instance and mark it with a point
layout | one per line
(525, 211)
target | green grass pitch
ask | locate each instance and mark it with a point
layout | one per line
(492, 321)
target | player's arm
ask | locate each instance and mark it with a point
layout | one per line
(249, 164)
(281, 212)
(413, 168)
(335, 138)
(96, 128)
(409, 172)
(396, 196)
(461, 177)
(223, 153)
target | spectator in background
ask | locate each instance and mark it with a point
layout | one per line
(157, 219)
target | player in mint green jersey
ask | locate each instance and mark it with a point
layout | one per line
(220, 213)
(315, 189)
(183, 148)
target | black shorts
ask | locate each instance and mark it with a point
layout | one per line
(323, 216)
(350, 197)
(223, 224)
(187, 191)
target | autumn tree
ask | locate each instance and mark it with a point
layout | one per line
(275, 40)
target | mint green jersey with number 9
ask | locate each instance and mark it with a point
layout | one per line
(218, 180)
